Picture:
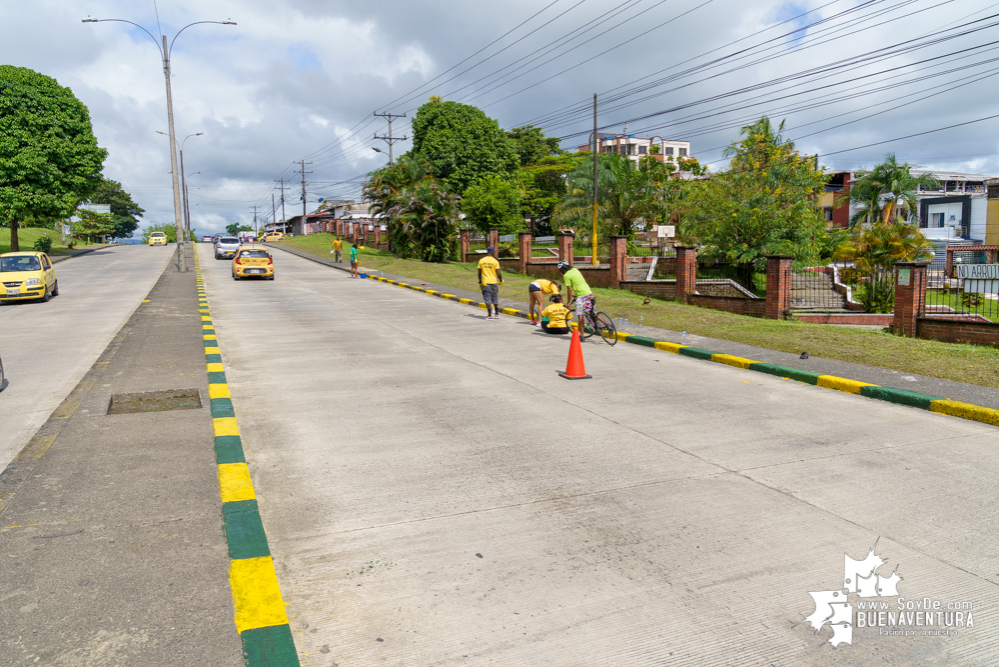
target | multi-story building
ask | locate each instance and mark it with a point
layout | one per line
(636, 148)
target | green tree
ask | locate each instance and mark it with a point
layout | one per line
(763, 204)
(887, 193)
(386, 189)
(49, 157)
(874, 251)
(234, 228)
(460, 144)
(531, 144)
(92, 225)
(429, 213)
(543, 185)
(124, 211)
(494, 203)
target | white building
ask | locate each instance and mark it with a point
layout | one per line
(636, 148)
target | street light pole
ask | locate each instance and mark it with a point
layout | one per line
(187, 196)
(596, 149)
(165, 53)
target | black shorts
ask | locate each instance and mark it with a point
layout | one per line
(533, 287)
(554, 330)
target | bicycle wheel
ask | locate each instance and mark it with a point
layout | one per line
(586, 328)
(605, 325)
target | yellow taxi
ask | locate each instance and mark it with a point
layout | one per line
(157, 238)
(27, 275)
(273, 236)
(252, 261)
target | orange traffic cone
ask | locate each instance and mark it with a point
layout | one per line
(574, 368)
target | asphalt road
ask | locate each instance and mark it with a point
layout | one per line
(434, 494)
(47, 347)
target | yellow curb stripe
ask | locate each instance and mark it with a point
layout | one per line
(210, 337)
(218, 391)
(966, 411)
(669, 347)
(256, 594)
(215, 368)
(205, 318)
(235, 483)
(738, 362)
(842, 384)
(207, 326)
(511, 311)
(212, 350)
(431, 292)
(225, 426)
(623, 336)
(481, 305)
(36, 448)
(465, 301)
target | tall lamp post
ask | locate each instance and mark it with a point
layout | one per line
(187, 202)
(185, 207)
(165, 52)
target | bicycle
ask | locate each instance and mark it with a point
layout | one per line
(593, 321)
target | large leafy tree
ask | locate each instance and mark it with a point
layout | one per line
(386, 190)
(124, 212)
(531, 144)
(763, 204)
(460, 144)
(874, 250)
(494, 203)
(429, 213)
(49, 157)
(887, 193)
(543, 185)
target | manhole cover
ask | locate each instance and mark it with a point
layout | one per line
(155, 401)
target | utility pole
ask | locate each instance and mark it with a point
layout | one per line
(388, 138)
(273, 213)
(305, 228)
(177, 211)
(596, 148)
(283, 217)
(255, 207)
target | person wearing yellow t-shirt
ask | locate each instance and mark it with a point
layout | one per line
(490, 278)
(338, 251)
(536, 291)
(555, 318)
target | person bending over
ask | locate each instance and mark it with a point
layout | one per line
(536, 291)
(555, 318)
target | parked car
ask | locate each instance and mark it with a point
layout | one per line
(273, 236)
(27, 275)
(157, 238)
(226, 246)
(253, 261)
(208, 239)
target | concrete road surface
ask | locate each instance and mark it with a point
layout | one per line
(434, 494)
(47, 347)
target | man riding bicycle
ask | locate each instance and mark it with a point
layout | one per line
(575, 286)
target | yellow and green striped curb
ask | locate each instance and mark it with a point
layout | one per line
(898, 396)
(260, 615)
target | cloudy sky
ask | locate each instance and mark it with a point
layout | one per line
(300, 79)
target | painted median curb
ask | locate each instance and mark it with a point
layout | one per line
(910, 399)
(259, 610)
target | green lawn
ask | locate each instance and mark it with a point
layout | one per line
(27, 236)
(973, 364)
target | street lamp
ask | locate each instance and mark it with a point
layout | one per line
(187, 200)
(185, 207)
(165, 52)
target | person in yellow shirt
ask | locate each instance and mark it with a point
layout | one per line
(338, 251)
(555, 318)
(490, 278)
(536, 291)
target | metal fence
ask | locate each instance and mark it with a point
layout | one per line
(751, 277)
(956, 298)
(814, 288)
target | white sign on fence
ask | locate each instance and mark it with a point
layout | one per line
(979, 278)
(665, 231)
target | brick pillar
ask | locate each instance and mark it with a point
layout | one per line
(618, 260)
(686, 272)
(339, 227)
(564, 246)
(355, 232)
(778, 286)
(949, 264)
(992, 256)
(525, 245)
(910, 297)
(493, 240)
(378, 236)
(464, 243)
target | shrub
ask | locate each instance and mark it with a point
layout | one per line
(43, 244)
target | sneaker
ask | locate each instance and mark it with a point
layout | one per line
(537, 324)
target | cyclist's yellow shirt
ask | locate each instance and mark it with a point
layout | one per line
(574, 279)
(556, 314)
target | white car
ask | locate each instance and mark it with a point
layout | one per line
(226, 247)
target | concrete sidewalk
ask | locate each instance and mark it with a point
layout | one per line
(958, 391)
(112, 530)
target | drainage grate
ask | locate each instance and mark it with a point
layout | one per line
(155, 401)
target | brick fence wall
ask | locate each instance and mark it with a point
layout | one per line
(958, 331)
(751, 307)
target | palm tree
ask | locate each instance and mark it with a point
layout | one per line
(888, 193)
(386, 190)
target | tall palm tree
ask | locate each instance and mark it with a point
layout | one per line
(888, 193)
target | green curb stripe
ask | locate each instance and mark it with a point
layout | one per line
(222, 407)
(899, 396)
(213, 358)
(229, 449)
(216, 377)
(210, 343)
(640, 340)
(208, 332)
(244, 532)
(240, 506)
(696, 353)
(807, 377)
(269, 647)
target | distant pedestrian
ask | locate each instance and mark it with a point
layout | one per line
(338, 250)
(353, 261)
(555, 318)
(536, 292)
(490, 278)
